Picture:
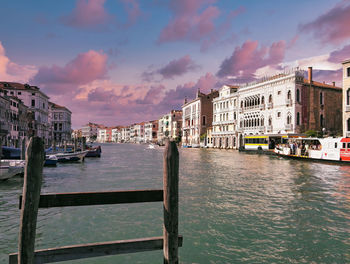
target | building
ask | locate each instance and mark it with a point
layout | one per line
(151, 130)
(176, 131)
(197, 116)
(89, 131)
(116, 135)
(36, 101)
(139, 130)
(4, 118)
(77, 133)
(165, 125)
(288, 103)
(225, 115)
(346, 98)
(61, 124)
(132, 134)
(101, 135)
(124, 134)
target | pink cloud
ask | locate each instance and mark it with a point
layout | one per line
(332, 26)
(174, 68)
(85, 68)
(340, 55)
(87, 14)
(188, 22)
(245, 60)
(328, 76)
(11, 71)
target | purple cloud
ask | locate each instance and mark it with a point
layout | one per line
(332, 26)
(88, 14)
(245, 60)
(172, 69)
(340, 55)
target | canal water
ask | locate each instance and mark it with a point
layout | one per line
(234, 207)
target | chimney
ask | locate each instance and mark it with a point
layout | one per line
(333, 84)
(309, 75)
(211, 90)
(185, 100)
(198, 92)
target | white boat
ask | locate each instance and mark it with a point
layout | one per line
(151, 146)
(71, 157)
(329, 149)
(11, 168)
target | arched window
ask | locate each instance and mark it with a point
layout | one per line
(321, 121)
(348, 97)
(321, 98)
(259, 101)
(348, 124)
(262, 121)
(270, 121)
(289, 119)
(263, 100)
(298, 95)
(270, 98)
(298, 119)
(289, 95)
(245, 103)
(241, 104)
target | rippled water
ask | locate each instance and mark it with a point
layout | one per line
(234, 207)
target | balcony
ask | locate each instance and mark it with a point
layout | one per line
(289, 102)
(347, 134)
(261, 128)
(347, 108)
(262, 107)
(269, 129)
(241, 110)
(269, 105)
(288, 127)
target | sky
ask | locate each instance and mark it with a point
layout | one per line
(118, 62)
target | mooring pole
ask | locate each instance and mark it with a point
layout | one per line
(30, 200)
(171, 203)
(83, 144)
(23, 149)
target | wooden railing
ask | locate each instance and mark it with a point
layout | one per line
(31, 201)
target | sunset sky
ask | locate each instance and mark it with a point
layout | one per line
(118, 62)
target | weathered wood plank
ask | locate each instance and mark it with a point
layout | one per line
(171, 202)
(95, 250)
(99, 198)
(31, 193)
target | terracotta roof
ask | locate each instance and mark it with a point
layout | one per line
(59, 106)
(324, 85)
(20, 86)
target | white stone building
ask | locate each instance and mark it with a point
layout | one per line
(225, 115)
(124, 134)
(151, 129)
(102, 135)
(346, 98)
(89, 131)
(61, 124)
(139, 132)
(165, 125)
(116, 134)
(36, 101)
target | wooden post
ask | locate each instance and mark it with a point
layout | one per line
(23, 149)
(0, 149)
(75, 145)
(84, 143)
(65, 146)
(171, 203)
(30, 201)
(53, 146)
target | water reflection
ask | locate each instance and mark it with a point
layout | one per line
(234, 207)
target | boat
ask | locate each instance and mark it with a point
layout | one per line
(50, 160)
(94, 152)
(11, 153)
(151, 146)
(11, 168)
(71, 157)
(321, 149)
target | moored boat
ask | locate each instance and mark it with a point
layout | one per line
(322, 149)
(71, 157)
(51, 160)
(94, 152)
(11, 168)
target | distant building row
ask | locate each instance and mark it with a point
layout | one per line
(26, 111)
(287, 103)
